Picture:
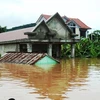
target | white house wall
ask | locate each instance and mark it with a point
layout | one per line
(8, 47)
(41, 30)
(77, 32)
(62, 31)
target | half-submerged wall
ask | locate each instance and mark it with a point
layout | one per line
(8, 47)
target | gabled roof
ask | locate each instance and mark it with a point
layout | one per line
(76, 20)
(43, 17)
(17, 35)
(60, 19)
(34, 33)
(50, 31)
(55, 15)
(41, 23)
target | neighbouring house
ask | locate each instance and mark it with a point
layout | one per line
(75, 24)
(45, 37)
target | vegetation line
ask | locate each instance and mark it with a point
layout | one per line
(87, 47)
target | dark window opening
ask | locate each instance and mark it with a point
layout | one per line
(39, 48)
(23, 47)
(56, 50)
(73, 29)
(72, 26)
(82, 33)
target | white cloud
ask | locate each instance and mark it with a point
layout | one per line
(17, 12)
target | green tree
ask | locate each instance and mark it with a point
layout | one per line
(3, 29)
(95, 35)
(87, 47)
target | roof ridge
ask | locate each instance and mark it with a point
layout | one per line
(46, 14)
(72, 18)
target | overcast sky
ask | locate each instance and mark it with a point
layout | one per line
(19, 12)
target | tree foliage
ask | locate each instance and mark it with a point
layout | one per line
(88, 48)
(95, 35)
(3, 29)
(85, 48)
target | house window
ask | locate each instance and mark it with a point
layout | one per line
(72, 27)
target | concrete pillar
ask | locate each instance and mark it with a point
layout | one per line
(50, 50)
(29, 47)
(58, 52)
(72, 50)
(17, 48)
(2, 50)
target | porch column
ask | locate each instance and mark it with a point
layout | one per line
(58, 52)
(29, 47)
(72, 50)
(17, 48)
(50, 50)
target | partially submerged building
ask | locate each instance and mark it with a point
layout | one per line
(28, 58)
(75, 24)
(46, 37)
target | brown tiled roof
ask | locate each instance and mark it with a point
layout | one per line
(79, 23)
(15, 35)
(22, 58)
(76, 20)
(46, 16)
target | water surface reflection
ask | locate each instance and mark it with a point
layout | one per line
(69, 80)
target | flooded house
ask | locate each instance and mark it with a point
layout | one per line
(46, 36)
(75, 24)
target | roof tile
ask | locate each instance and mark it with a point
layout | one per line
(79, 23)
(76, 20)
(46, 16)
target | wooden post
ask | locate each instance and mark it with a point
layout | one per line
(50, 50)
(29, 47)
(72, 50)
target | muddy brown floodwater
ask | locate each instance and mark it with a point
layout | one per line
(72, 79)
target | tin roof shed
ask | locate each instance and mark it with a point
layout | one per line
(28, 58)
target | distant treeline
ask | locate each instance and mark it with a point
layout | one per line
(4, 29)
(22, 26)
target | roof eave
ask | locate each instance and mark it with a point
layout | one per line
(85, 28)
